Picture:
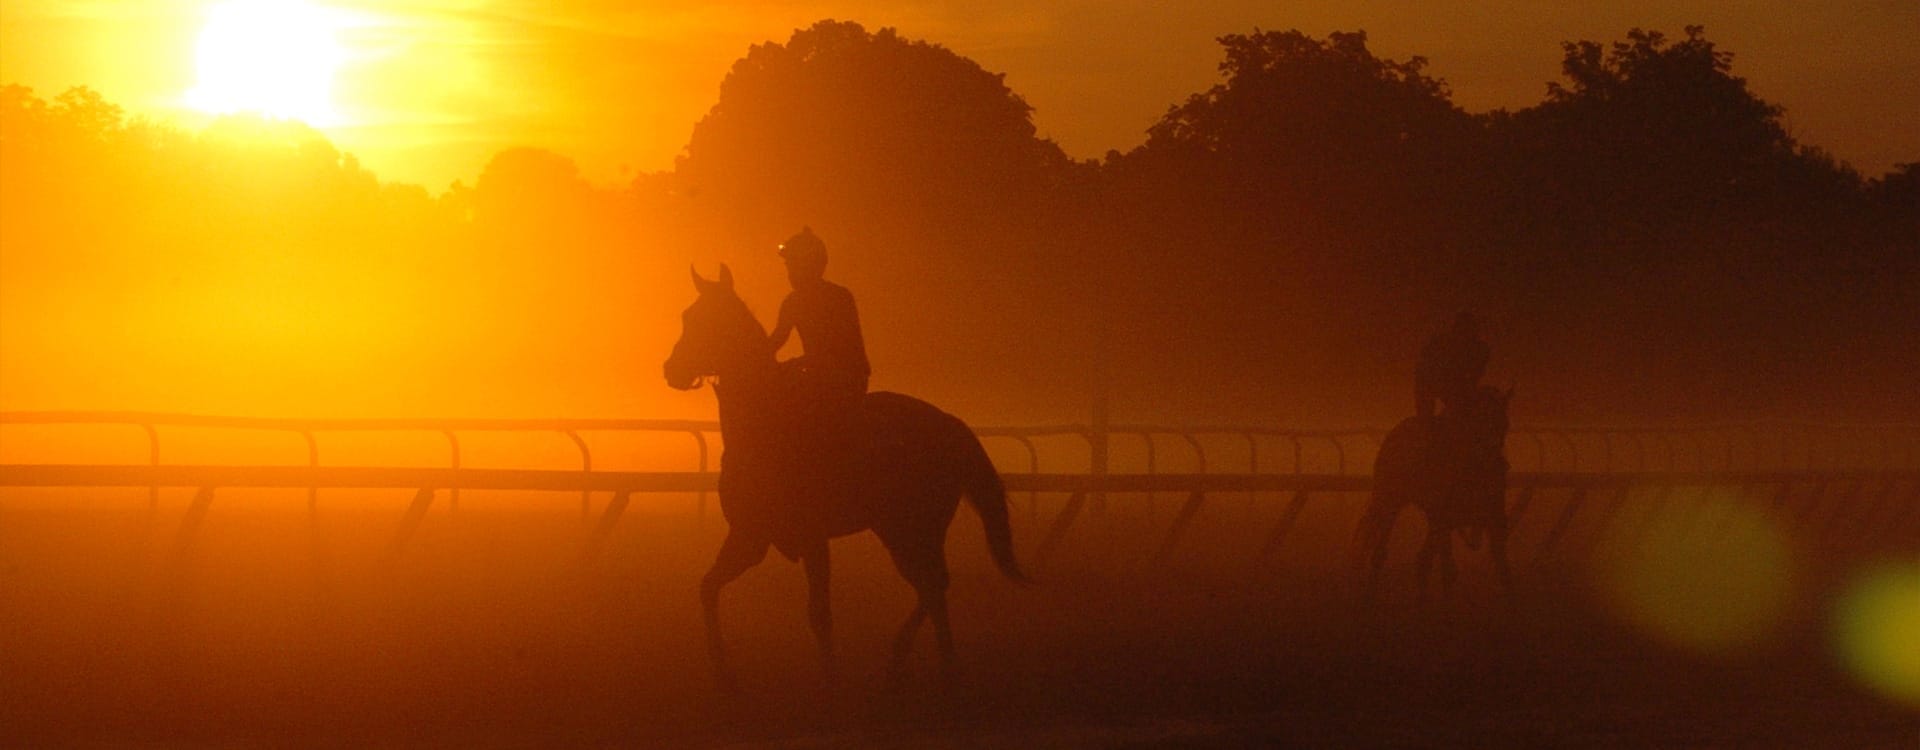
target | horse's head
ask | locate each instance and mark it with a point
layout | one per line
(717, 334)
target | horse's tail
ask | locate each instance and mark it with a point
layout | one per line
(988, 495)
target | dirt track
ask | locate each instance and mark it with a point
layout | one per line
(486, 633)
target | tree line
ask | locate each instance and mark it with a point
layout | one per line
(1649, 236)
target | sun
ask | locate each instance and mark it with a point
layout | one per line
(272, 57)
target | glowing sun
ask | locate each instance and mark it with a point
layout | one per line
(273, 57)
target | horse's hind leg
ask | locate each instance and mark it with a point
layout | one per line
(1378, 534)
(1448, 571)
(922, 560)
(933, 599)
(820, 603)
(738, 554)
(1436, 540)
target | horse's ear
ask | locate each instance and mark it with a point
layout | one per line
(698, 283)
(1506, 397)
(726, 277)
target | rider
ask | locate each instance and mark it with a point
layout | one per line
(1450, 366)
(833, 360)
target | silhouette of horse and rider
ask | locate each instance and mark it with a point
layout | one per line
(1448, 462)
(811, 455)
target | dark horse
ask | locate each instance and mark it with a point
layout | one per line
(794, 475)
(1453, 467)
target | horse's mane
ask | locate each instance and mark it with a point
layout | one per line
(743, 316)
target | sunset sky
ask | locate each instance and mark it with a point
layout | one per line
(426, 90)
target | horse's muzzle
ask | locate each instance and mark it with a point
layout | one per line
(680, 377)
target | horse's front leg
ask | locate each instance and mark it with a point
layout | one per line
(903, 647)
(738, 554)
(1379, 533)
(1497, 546)
(820, 603)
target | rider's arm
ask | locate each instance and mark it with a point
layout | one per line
(784, 327)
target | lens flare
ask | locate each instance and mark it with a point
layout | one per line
(1877, 630)
(1711, 574)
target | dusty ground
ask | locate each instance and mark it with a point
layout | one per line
(489, 632)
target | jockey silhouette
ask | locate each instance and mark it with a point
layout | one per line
(1450, 366)
(833, 360)
(831, 375)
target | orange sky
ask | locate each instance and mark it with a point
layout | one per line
(428, 89)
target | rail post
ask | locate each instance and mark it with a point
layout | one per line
(604, 529)
(153, 459)
(183, 540)
(453, 448)
(313, 461)
(1559, 530)
(1058, 530)
(1153, 467)
(1188, 510)
(586, 467)
(1033, 467)
(1280, 529)
(1253, 465)
(416, 512)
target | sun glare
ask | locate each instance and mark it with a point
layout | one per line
(272, 57)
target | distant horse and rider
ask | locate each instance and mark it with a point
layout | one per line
(1449, 462)
(811, 455)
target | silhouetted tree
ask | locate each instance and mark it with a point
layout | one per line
(1654, 173)
(1313, 166)
(1898, 194)
(844, 127)
(1649, 132)
(529, 188)
(1298, 117)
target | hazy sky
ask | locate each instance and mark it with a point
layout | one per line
(428, 89)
